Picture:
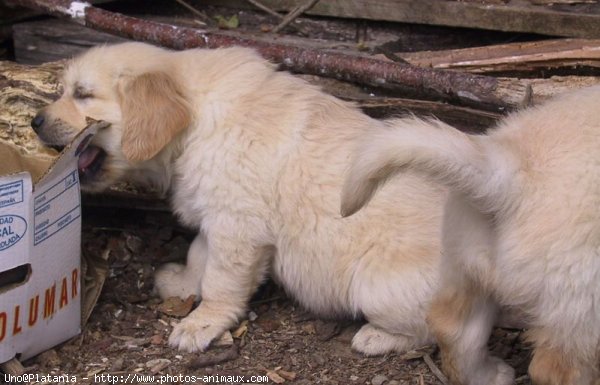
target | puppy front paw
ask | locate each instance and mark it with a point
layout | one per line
(171, 280)
(194, 334)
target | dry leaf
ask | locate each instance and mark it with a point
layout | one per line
(232, 23)
(175, 307)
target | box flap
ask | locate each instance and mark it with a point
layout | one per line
(72, 150)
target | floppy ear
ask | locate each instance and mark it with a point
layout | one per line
(154, 111)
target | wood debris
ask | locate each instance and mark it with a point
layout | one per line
(512, 57)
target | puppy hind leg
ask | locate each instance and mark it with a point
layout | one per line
(178, 280)
(462, 321)
(372, 341)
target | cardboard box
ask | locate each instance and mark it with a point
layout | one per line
(40, 248)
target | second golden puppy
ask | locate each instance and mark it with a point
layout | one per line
(254, 159)
(521, 231)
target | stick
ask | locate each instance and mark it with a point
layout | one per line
(196, 12)
(435, 370)
(265, 9)
(271, 12)
(475, 90)
(294, 14)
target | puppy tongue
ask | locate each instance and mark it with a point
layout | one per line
(87, 157)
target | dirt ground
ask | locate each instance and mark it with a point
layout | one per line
(127, 332)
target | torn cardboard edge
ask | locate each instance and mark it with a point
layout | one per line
(40, 249)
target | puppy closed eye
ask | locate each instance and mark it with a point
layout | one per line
(81, 93)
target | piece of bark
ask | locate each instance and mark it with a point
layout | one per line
(23, 91)
(512, 57)
(481, 91)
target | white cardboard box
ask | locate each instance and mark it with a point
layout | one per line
(40, 246)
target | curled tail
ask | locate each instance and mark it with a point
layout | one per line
(460, 161)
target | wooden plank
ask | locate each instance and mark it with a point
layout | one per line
(51, 40)
(514, 16)
(512, 57)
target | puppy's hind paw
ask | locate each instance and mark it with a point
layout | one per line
(372, 341)
(171, 280)
(194, 335)
(494, 372)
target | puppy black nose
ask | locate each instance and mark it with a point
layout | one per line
(37, 122)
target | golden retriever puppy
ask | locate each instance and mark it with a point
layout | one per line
(254, 159)
(521, 230)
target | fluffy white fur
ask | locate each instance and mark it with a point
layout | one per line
(255, 160)
(521, 230)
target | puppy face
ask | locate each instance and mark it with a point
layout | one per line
(129, 86)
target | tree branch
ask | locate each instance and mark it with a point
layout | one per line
(475, 90)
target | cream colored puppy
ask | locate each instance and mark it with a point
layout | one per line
(255, 160)
(521, 230)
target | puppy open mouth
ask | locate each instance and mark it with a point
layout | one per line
(90, 162)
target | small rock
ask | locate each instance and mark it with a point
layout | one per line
(378, 379)
(252, 316)
(353, 378)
